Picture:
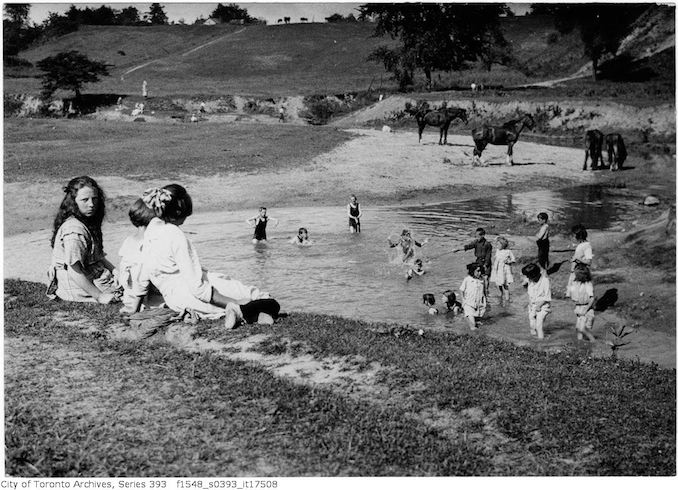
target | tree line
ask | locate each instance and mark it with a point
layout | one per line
(19, 34)
(450, 36)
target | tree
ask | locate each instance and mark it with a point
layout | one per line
(14, 28)
(128, 16)
(156, 15)
(69, 70)
(434, 36)
(227, 13)
(602, 26)
(17, 13)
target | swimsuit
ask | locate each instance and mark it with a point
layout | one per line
(260, 229)
(353, 221)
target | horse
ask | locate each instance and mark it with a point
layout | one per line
(440, 118)
(506, 134)
(593, 146)
(616, 151)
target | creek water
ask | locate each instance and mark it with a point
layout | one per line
(359, 276)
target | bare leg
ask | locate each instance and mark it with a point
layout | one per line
(471, 322)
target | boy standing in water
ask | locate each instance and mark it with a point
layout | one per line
(483, 252)
(259, 222)
(542, 238)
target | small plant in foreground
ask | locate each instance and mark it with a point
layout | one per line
(618, 334)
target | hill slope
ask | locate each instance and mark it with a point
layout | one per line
(302, 59)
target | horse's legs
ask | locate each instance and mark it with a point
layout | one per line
(440, 140)
(612, 157)
(421, 130)
(477, 152)
(586, 157)
(509, 154)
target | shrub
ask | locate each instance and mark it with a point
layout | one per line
(320, 109)
(12, 105)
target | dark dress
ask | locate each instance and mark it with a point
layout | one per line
(353, 221)
(260, 228)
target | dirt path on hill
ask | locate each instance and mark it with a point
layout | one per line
(192, 50)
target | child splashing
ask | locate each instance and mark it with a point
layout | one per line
(406, 245)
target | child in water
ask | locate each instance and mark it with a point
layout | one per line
(473, 295)
(301, 238)
(583, 253)
(407, 244)
(581, 292)
(539, 293)
(542, 238)
(259, 223)
(418, 269)
(450, 302)
(354, 215)
(502, 275)
(430, 300)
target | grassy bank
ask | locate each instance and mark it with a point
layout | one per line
(81, 404)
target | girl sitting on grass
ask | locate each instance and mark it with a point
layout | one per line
(581, 292)
(79, 270)
(539, 293)
(131, 260)
(472, 290)
(171, 263)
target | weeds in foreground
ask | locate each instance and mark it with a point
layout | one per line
(79, 404)
(617, 341)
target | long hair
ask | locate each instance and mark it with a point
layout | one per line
(69, 208)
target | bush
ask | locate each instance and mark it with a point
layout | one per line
(12, 105)
(320, 109)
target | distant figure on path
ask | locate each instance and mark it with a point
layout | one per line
(281, 114)
(144, 89)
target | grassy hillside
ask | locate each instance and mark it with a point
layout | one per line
(278, 59)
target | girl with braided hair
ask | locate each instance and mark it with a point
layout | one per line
(171, 263)
(79, 270)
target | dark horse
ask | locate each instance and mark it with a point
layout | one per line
(506, 134)
(593, 146)
(440, 118)
(616, 150)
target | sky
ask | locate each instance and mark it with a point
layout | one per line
(189, 11)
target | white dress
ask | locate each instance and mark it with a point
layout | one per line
(583, 253)
(171, 263)
(473, 294)
(501, 267)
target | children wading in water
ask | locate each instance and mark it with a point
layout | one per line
(354, 215)
(502, 275)
(482, 250)
(581, 292)
(542, 238)
(539, 293)
(473, 295)
(259, 222)
(407, 244)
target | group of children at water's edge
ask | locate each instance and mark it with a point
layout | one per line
(474, 287)
(160, 266)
